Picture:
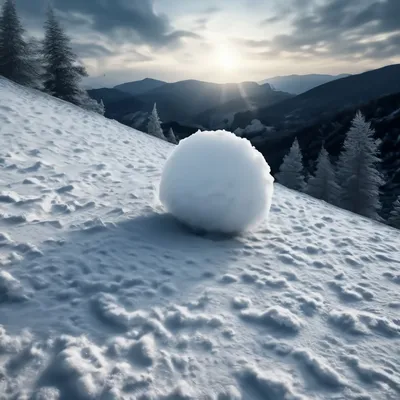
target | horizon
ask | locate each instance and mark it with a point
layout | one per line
(173, 41)
(220, 83)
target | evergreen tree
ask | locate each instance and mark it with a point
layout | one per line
(15, 60)
(171, 136)
(62, 73)
(357, 172)
(35, 55)
(323, 184)
(291, 172)
(154, 125)
(394, 218)
(91, 104)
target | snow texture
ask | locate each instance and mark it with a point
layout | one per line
(217, 182)
(103, 295)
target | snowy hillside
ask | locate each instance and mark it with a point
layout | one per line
(104, 296)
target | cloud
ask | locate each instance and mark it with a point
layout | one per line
(341, 28)
(201, 23)
(122, 20)
(212, 10)
(273, 19)
(204, 17)
(92, 50)
(251, 43)
(285, 9)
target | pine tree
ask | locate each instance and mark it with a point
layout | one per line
(357, 172)
(15, 59)
(91, 104)
(62, 73)
(291, 172)
(154, 125)
(323, 184)
(35, 55)
(171, 136)
(394, 218)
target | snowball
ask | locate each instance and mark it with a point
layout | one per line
(217, 182)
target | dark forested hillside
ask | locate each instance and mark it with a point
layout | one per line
(384, 114)
(326, 100)
(107, 95)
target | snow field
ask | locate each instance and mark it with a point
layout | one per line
(105, 296)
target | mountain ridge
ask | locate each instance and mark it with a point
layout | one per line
(298, 83)
(326, 100)
(182, 101)
(135, 88)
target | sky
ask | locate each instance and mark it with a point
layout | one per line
(223, 40)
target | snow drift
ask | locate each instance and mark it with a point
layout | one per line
(217, 182)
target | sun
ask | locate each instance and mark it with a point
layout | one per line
(227, 59)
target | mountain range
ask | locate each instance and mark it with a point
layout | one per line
(205, 105)
(324, 101)
(297, 84)
(139, 87)
(190, 102)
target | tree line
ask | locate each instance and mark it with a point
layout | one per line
(353, 183)
(49, 65)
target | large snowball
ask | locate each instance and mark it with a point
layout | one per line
(217, 182)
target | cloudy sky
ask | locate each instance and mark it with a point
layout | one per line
(224, 40)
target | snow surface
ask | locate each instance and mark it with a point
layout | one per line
(104, 296)
(217, 182)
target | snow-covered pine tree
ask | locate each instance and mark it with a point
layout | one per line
(91, 104)
(323, 184)
(357, 172)
(154, 124)
(171, 136)
(394, 218)
(291, 172)
(62, 74)
(16, 63)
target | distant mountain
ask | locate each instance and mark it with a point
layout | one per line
(297, 84)
(183, 101)
(221, 116)
(384, 114)
(189, 103)
(140, 87)
(326, 100)
(119, 109)
(108, 95)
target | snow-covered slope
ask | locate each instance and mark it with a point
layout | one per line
(103, 296)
